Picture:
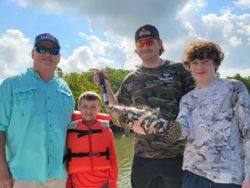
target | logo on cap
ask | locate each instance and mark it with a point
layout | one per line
(46, 37)
(150, 28)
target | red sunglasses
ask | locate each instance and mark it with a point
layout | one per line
(142, 42)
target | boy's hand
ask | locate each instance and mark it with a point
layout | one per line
(245, 184)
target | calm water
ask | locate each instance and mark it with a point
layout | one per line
(124, 149)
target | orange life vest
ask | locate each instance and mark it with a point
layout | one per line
(86, 148)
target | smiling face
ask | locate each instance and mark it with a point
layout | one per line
(149, 51)
(89, 109)
(45, 63)
(203, 71)
(203, 58)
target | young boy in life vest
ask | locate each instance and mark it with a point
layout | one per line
(91, 156)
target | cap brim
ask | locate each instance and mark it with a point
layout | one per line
(147, 36)
(47, 40)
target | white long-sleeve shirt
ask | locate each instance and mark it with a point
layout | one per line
(216, 122)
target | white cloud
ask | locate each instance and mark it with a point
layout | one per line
(122, 17)
(97, 54)
(80, 60)
(15, 53)
(178, 22)
(244, 4)
(224, 72)
(234, 41)
(230, 30)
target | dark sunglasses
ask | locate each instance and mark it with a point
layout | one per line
(142, 42)
(43, 50)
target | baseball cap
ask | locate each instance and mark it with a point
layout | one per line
(152, 29)
(46, 37)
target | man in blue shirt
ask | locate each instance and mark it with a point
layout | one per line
(36, 108)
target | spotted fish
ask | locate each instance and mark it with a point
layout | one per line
(123, 116)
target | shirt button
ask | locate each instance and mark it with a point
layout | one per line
(49, 110)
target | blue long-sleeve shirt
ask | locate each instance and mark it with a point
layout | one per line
(34, 116)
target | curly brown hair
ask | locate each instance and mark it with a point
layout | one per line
(203, 49)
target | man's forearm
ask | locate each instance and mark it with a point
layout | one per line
(6, 179)
(111, 96)
(3, 162)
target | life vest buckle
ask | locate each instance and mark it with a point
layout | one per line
(98, 154)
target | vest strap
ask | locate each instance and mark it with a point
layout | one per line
(70, 155)
(85, 132)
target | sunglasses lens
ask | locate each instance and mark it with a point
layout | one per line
(43, 50)
(140, 43)
(150, 42)
(54, 51)
(143, 42)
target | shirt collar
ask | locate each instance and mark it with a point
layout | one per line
(37, 76)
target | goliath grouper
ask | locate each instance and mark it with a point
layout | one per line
(149, 120)
(124, 117)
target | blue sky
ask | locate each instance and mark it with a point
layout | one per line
(95, 34)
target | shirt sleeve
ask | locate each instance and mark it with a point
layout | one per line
(5, 104)
(114, 162)
(242, 112)
(122, 95)
(188, 82)
(182, 118)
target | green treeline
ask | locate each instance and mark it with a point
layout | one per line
(245, 80)
(81, 82)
